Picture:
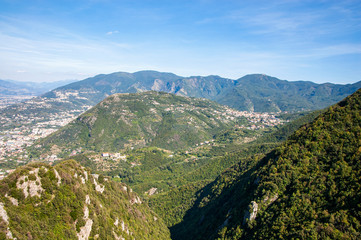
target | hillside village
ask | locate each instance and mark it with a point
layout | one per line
(13, 142)
(30, 123)
(7, 100)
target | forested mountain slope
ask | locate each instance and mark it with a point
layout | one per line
(262, 93)
(186, 180)
(39, 201)
(309, 187)
(143, 119)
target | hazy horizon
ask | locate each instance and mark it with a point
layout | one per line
(68, 81)
(46, 41)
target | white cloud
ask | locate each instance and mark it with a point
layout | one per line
(112, 32)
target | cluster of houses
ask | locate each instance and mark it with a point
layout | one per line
(205, 143)
(260, 119)
(114, 156)
(7, 100)
(15, 140)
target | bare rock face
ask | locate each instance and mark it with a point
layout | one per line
(5, 218)
(269, 200)
(85, 230)
(251, 214)
(151, 191)
(30, 186)
(14, 201)
(158, 85)
(254, 211)
(58, 177)
(135, 200)
(98, 187)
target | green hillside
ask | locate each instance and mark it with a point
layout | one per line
(127, 121)
(308, 188)
(39, 201)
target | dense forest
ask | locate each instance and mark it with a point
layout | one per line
(307, 188)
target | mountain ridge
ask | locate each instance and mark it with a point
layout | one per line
(242, 94)
(264, 93)
(306, 188)
(217, 88)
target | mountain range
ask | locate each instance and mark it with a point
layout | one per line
(256, 92)
(307, 187)
(13, 92)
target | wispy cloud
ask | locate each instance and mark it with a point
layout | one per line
(112, 32)
(61, 51)
(331, 50)
(276, 22)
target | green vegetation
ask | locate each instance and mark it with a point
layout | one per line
(126, 121)
(61, 202)
(307, 188)
(180, 179)
(183, 175)
(256, 92)
(178, 176)
(205, 173)
(263, 93)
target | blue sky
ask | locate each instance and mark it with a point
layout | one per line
(317, 41)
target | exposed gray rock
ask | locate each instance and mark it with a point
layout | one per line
(30, 187)
(251, 214)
